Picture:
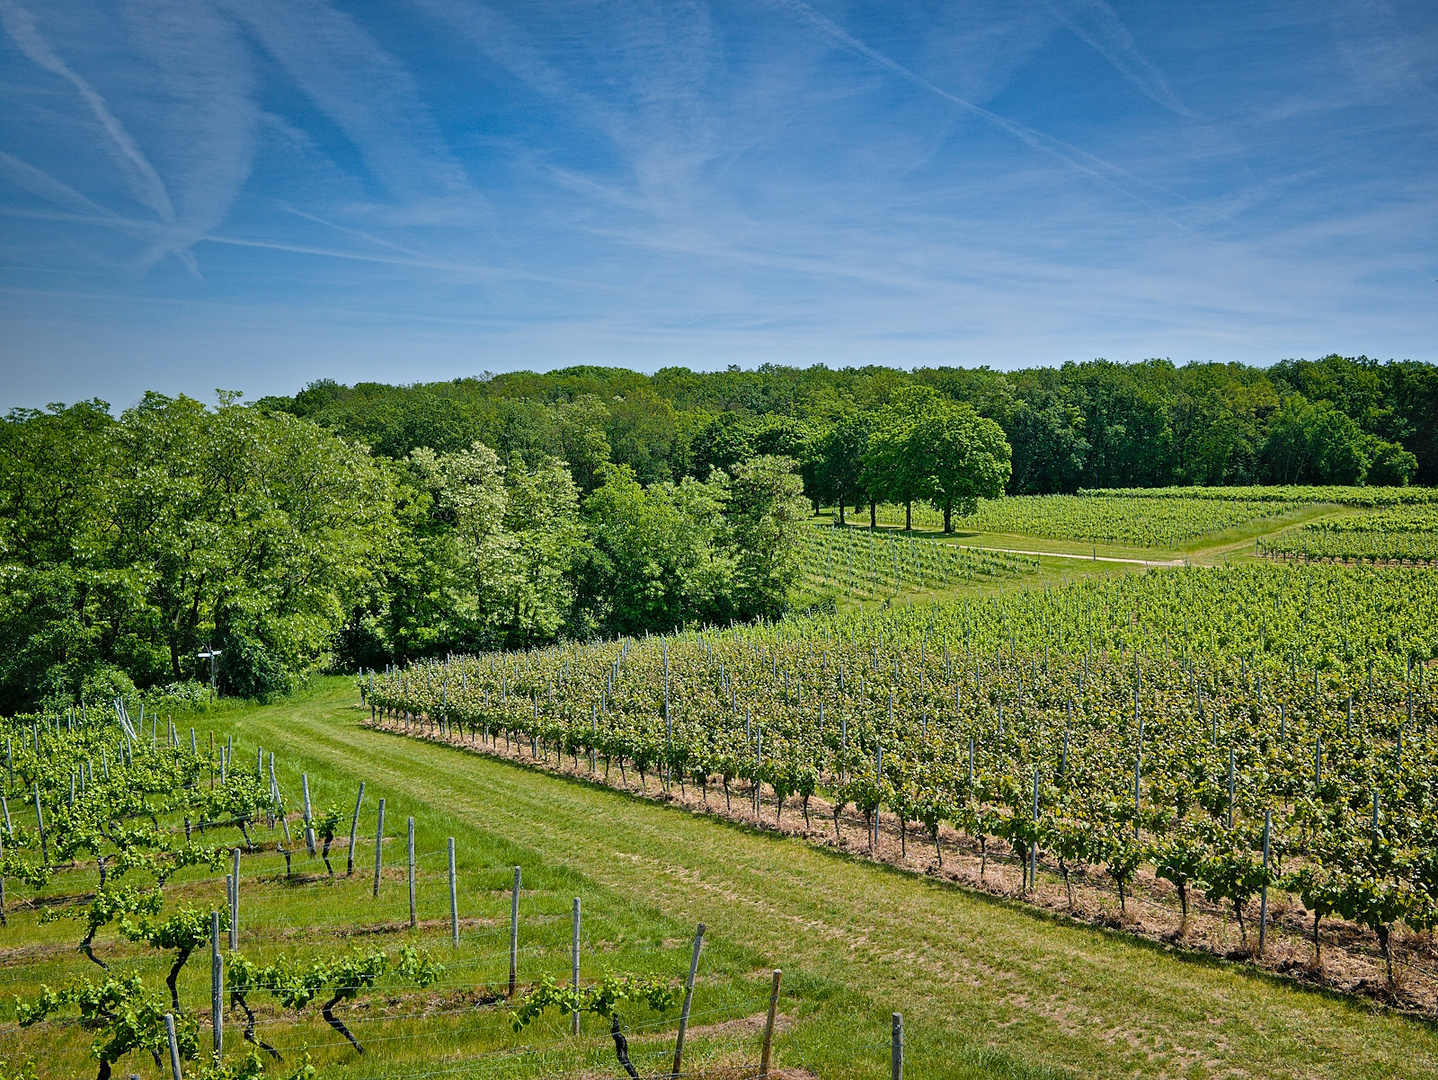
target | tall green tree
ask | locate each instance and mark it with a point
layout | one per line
(175, 527)
(253, 531)
(960, 456)
(657, 557)
(839, 463)
(1313, 443)
(489, 564)
(766, 511)
(892, 472)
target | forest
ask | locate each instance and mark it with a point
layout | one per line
(1100, 424)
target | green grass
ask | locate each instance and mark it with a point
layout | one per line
(987, 988)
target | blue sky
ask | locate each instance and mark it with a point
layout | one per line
(252, 194)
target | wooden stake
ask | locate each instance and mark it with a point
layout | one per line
(354, 827)
(574, 961)
(896, 1049)
(235, 900)
(309, 830)
(174, 1046)
(1263, 896)
(769, 1025)
(412, 923)
(688, 999)
(217, 985)
(40, 824)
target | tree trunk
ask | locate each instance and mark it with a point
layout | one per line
(841, 511)
(85, 947)
(250, 1036)
(948, 517)
(908, 515)
(873, 514)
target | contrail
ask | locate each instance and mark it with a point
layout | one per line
(1108, 36)
(21, 27)
(1070, 155)
(38, 182)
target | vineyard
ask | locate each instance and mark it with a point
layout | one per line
(1138, 522)
(1232, 733)
(1280, 493)
(1238, 760)
(114, 839)
(1403, 534)
(1161, 517)
(861, 563)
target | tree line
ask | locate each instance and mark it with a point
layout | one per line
(1100, 424)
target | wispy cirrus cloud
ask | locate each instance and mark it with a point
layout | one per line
(1081, 160)
(1098, 25)
(144, 180)
(373, 98)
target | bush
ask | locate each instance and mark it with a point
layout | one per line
(75, 681)
(249, 666)
(190, 694)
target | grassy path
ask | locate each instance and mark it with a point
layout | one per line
(986, 988)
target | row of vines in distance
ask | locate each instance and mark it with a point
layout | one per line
(861, 562)
(1150, 720)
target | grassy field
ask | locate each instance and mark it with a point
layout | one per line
(986, 988)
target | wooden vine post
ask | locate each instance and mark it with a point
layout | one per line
(896, 1048)
(768, 1046)
(354, 828)
(453, 898)
(217, 985)
(412, 923)
(234, 899)
(574, 962)
(174, 1046)
(688, 1000)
